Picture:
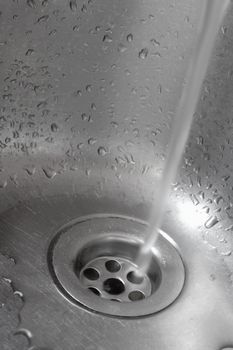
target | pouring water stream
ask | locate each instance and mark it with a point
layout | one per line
(210, 22)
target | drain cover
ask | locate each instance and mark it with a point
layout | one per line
(113, 278)
(92, 263)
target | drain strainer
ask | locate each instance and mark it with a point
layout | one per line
(115, 279)
(92, 263)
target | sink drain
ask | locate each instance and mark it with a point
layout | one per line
(114, 278)
(92, 262)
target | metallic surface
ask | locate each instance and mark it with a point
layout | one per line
(88, 94)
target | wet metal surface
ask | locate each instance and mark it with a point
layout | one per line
(87, 97)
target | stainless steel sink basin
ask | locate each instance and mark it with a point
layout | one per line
(88, 94)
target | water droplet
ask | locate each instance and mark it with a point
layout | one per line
(93, 106)
(73, 5)
(49, 172)
(155, 42)
(200, 140)
(30, 170)
(143, 53)
(194, 199)
(29, 52)
(26, 332)
(221, 238)
(129, 38)
(84, 117)
(88, 88)
(54, 127)
(227, 253)
(18, 293)
(102, 151)
(88, 172)
(79, 93)
(73, 167)
(201, 195)
(114, 124)
(229, 228)
(41, 104)
(190, 182)
(92, 141)
(225, 178)
(7, 140)
(45, 3)
(80, 145)
(53, 32)
(84, 8)
(7, 96)
(208, 186)
(31, 3)
(13, 178)
(212, 221)
(218, 199)
(43, 19)
(3, 183)
(127, 72)
(121, 48)
(224, 30)
(188, 161)
(76, 28)
(107, 38)
(206, 156)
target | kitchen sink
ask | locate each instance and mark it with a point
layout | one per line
(89, 90)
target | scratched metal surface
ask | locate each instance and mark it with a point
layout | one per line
(88, 93)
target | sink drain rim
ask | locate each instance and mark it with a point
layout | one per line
(60, 260)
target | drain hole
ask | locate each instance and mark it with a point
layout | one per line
(114, 286)
(94, 290)
(112, 266)
(136, 295)
(91, 274)
(134, 278)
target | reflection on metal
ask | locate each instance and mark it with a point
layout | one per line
(84, 129)
(190, 215)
